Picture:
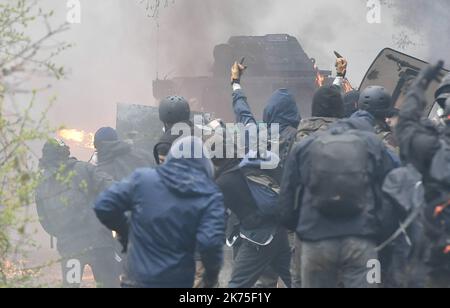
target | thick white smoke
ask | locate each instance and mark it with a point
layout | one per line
(117, 50)
(430, 20)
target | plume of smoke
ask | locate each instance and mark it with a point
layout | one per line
(118, 47)
(431, 20)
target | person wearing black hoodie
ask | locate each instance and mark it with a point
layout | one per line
(260, 245)
(263, 247)
(63, 199)
(426, 146)
(281, 110)
(176, 211)
(118, 158)
(336, 247)
(327, 108)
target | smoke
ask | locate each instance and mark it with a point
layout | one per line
(119, 49)
(430, 20)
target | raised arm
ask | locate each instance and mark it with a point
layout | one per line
(241, 107)
(418, 143)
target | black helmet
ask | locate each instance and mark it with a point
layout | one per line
(377, 101)
(174, 109)
(55, 149)
(443, 92)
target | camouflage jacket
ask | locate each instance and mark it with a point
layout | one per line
(313, 125)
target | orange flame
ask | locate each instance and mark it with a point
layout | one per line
(78, 138)
(320, 79)
(447, 250)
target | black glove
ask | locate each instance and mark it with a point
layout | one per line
(123, 240)
(211, 279)
(430, 74)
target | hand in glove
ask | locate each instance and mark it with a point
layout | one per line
(237, 70)
(123, 240)
(211, 279)
(341, 67)
(428, 75)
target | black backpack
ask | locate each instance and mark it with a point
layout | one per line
(62, 200)
(287, 141)
(338, 173)
(260, 227)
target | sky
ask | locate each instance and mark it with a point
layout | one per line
(118, 50)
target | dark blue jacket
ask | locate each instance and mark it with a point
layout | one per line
(175, 210)
(309, 224)
(281, 109)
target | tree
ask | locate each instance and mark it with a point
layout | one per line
(24, 55)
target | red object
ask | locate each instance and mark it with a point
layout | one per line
(447, 250)
(438, 210)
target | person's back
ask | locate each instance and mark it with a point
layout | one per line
(259, 242)
(282, 110)
(427, 147)
(330, 195)
(118, 158)
(313, 125)
(63, 201)
(327, 108)
(64, 196)
(175, 210)
(363, 224)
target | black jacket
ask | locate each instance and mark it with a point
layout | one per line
(310, 225)
(281, 109)
(237, 196)
(64, 200)
(119, 159)
(175, 210)
(248, 219)
(419, 140)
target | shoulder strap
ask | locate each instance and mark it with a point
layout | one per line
(261, 178)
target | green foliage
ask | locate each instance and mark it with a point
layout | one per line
(22, 56)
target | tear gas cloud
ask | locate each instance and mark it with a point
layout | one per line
(119, 51)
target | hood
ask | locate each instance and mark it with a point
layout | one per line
(112, 149)
(360, 120)
(282, 109)
(186, 173)
(328, 102)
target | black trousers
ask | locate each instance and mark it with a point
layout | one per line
(251, 261)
